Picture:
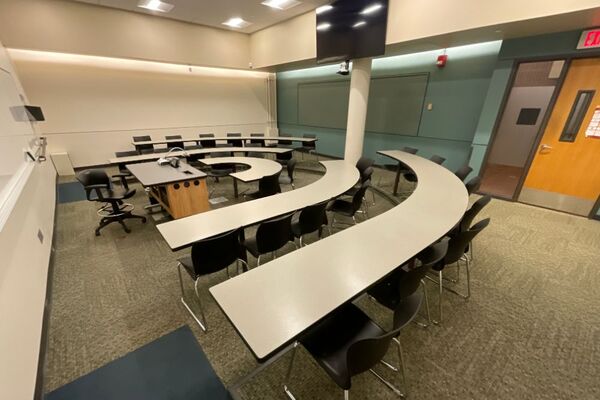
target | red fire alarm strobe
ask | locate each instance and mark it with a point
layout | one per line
(442, 60)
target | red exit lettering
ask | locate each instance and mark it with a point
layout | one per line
(592, 39)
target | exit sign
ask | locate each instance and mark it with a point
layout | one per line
(589, 39)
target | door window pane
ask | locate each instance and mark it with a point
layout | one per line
(577, 114)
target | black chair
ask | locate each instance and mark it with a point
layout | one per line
(289, 178)
(284, 143)
(364, 163)
(310, 219)
(463, 172)
(235, 142)
(208, 140)
(348, 208)
(412, 178)
(437, 159)
(283, 158)
(99, 187)
(217, 171)
(467, 219)
(473, 185)
(207, 257)
(257, 142)
(122, 166)
(270, 236)
(308, 147)
(143, 148)
(172, 145)
(267, 186)
(348, 343)
(365, 175)
(457, 246)
(399, 168)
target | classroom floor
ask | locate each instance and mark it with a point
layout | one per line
(531, 329)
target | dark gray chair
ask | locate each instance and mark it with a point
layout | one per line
(310, 219)
(285, 143)
(283, 158)
(234, 142)
(473, 185)
(289, 178)
(270, 236)
(208, 140)
(143, 148)
(99, 188)
(348, 208)
(207, 257)
(122, 166)
(463, 172)
(257, 142)
(308, 147)
(172, 145)
(267, 186)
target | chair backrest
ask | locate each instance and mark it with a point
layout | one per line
(366, 175)
(234, 142)
(313, 217)
(269, 185)
(459, 241)
(91, 177)
(216, 253)
(410, 150)
(120, 154)
(291, 166)
(285, 142)
(143, 148)
(364, 163)
(254, 154)
(409, 281)
(357, 199)
(467, 219)
(283, 157)
(473, 185)
(273, 234)
(311, 144)
(437, 159)
(259, 142)
(207, 143)
(171, 145)
(463, 172)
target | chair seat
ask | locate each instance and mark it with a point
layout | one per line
(193, 147)
(341, 207)
(328, 342)
(188, 265)
(409, 176)
(117, 194)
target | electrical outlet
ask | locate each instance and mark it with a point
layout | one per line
(40, 236)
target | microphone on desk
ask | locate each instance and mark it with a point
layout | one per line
(173, 161)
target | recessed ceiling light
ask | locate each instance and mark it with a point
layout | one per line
(324, 26)
(155, 5)
(322, 9)
(237, 22)
(280, 4)
(371, 9)
(359, 24)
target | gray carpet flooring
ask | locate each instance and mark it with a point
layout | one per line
(531, 329)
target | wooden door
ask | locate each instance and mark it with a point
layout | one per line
(565, 173)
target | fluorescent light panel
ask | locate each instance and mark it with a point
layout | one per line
(371, 9)
(322, 9)
(280, 4)
(155, 5)
(237, 22)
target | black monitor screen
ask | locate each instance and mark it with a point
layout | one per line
(349, 29)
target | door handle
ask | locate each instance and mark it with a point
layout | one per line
(545, 147)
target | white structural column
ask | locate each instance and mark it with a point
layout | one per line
(357, 108)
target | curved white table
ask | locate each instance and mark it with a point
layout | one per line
(156, 156)
(339, 177)
(295, 291)
(222, 138)
(259, 167)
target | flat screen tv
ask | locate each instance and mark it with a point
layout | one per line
(349, 29)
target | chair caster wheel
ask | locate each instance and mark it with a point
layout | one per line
(127, 230)
(97, 233)
(143, 220)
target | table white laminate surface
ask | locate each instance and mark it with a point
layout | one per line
(156, 156)
(293, 292)
(223, 138)
(339, 177)
(259, 167)
(152, 174)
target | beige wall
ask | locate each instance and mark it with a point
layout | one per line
(23, 273)
(78, 28)
(93, 111)
(410, 21)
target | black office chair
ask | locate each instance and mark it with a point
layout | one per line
(267, 186)
(172, 145)
(289, 178)
(457, 246)
(270, 236)
(207, 257)
(463, 172)
(348, 343)
(99, 187)
(310, 219)
(308, 147)
(348, 208)
(208, 140)
(283, 158)
(143, 148)
(257, 142)
(235, 142)
(473, 185)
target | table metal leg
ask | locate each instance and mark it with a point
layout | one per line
(397, 179)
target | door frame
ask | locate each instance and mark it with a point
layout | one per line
(569, 57)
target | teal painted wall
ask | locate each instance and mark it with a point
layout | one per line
(457, 92)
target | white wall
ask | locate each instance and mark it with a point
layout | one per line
(93, 108)
(23, 273)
